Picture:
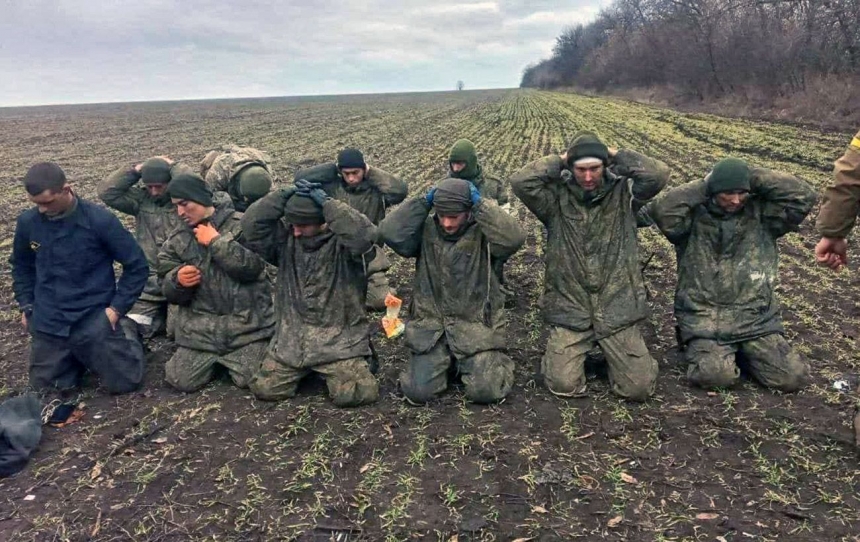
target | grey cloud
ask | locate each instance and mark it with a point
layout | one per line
(70, 51)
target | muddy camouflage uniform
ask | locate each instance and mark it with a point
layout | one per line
(594, 290)
(457, 310)
(155, 218)
(220, 169)
(372, 197)
(228, 318)
(841, 202)
(322, 325)
(725, 302)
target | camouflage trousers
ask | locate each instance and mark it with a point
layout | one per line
(115, 355)
(189, 370)
(770, 360)
(632, 370)
(487, 376)
(377, 281)
(151, 317)
(349, 381)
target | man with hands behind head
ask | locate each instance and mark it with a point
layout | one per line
(225, 315)
(457, 317)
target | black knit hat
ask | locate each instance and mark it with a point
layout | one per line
(191, 187)
(587, 145)
(350, 158)
(302, 210)
(155, 171)
(453, 196)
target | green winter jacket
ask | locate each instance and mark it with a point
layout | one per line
(728, 263)
(379, 190)
(232, 306)
(322, 283)
(455, 292)
(155, 218)
(220, 168)
(593, 277)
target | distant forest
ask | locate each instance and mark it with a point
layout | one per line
(708, 49)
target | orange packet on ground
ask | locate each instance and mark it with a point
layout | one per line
(391, 322)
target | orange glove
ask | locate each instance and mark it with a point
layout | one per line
(188, 276)
(206, 233)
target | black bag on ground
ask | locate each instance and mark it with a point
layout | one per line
(20, 432)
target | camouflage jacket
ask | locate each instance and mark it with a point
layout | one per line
(593, 277)
(219, 169)
(372, 197)
(232, 305)
(155, 218)
(455, 293)
(489, 186)
(728, 263)
(322, 284)
(841, 202)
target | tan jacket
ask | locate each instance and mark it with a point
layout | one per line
(841, 202)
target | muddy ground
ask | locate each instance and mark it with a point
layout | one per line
(159, 465)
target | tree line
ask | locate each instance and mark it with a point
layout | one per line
(707, 48)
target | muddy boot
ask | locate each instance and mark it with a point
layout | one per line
(377, 290)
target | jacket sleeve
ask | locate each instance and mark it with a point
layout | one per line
(116, 191)
(841, 201)
(502, 231)
(124, 249)
(169, 262)
(649, 175)
(393, 190)
(353, 230)
(500, 191)
(673, 212)
(787, 199)
(240, 263)
(402, 229)
(533, 185)
(23, 261)
(262, 221)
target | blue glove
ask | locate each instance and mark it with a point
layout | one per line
(318, 195)
(430, 195)
(306, 186)
(474, 194)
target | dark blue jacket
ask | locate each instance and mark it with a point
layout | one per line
(63, 269)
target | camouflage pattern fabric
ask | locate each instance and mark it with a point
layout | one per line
(349, 381)
(770, 360)
(189, 370)
(632, 370)
(232, 306)
(219, 169)
(489, 186)
(593, 277)
(728, 263)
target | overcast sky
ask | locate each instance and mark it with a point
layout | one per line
(73, 51)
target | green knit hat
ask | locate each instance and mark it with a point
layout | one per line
(155, 171)
(191, 187)
(729, 175)
(302, 210)
(464, 151)
(253, 182)
(587, 145)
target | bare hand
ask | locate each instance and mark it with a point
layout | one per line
(189, 276)
(137, 167)
(166, 159)
(206, 233)
(612, 151)
(832, 252)
(564, 157)
(24, 321)
(112, 316)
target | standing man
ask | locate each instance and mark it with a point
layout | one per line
(64, 282)
(242, 172)
(369, 190)
(155, 217)
(588, 199)
(322, 247)
(457, 315)
(725, 229)
(839, 209)
(225, 314)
